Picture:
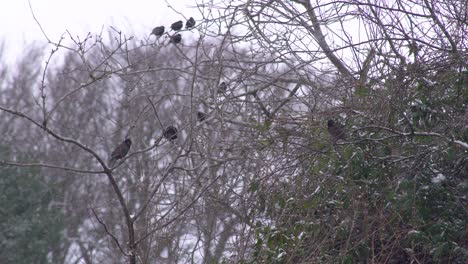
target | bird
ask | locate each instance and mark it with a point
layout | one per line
(336, 131)
(176, 39)
(120, 151)
(222, 87)
(190, 23)
(158, 31)
(201, 116)
(170, 133)
(176, 26)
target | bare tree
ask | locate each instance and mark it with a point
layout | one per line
(258, 179)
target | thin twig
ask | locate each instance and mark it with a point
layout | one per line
(16, 164)
(109, 233)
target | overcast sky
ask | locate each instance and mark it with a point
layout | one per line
(17, 26)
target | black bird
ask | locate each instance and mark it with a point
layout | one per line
(201, 116)
(336, 131)
(158, 31)
(176, 26)
(222, 87)
(170, 133)
(120, 151)
(176, 39)
(190, 23)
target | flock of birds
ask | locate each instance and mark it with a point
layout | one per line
(170, 133)
(336, 131)
(176, 26)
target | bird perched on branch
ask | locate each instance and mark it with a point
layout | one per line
(190, 23)
(176, 26)
(336, 131)
(120, 151)
(176, 39)
(201, 116)
(222, 87)
(158, 31)
(170, 133)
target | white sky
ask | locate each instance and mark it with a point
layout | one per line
(132, 17)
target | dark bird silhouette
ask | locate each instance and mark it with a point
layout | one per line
(222, 87)
(176, 26)
(201, 116)
(170, 133)
(336, 131)
(190, 23)
(176, 39)
(120, 151)
(158, 31)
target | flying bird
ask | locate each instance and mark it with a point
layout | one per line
(176, 26)
(190, 23)
(336, 131)
(170, 133)
(120, 151)
(222, 87)
(176, 39)
(201, 116)
(158, 31)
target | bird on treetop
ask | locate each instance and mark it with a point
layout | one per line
(170, 133)
(176, 39)
(120, 151)
(190, 23)
(177, 25)
(158, 31)
(336, 131)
